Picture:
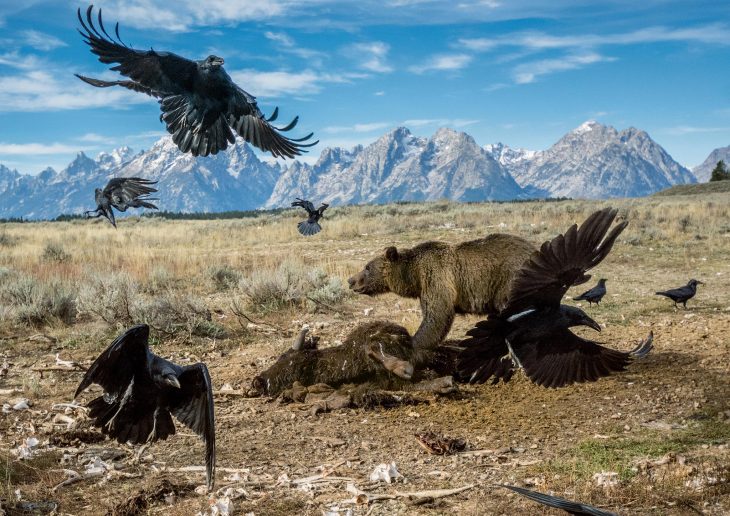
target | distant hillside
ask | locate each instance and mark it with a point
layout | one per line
(696, 189)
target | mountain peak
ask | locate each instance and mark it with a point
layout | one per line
(588, 126)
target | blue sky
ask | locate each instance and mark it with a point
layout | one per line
(520, 72)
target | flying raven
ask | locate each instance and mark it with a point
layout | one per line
(559, 503)
(142, 391)
(682, 294)
(311, 225)
(200, 103)
(122, 193)
(533, 331)
(593, 295)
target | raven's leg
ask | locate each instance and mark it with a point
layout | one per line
(684, 303)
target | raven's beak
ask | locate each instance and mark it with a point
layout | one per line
(171, 379)
(220, 61)
(587, 321)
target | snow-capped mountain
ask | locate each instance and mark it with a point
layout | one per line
(507, 156)
(400, 167)
(597, 161)
(593, 161)
(703, 171)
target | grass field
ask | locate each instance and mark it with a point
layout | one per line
(233, 293)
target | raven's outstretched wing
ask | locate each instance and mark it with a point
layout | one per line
(248, 121)
(124, 191)
(192, 405)
(307, 205)
(559, 503)
(562, 262)
(124, 359)
(127, 410)
(158, 72)
(485, 354)
(130, 85)
(323, 207)
(567, 358)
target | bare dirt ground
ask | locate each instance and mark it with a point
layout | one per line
(652, 440)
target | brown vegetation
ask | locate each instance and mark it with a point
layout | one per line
(234, 294)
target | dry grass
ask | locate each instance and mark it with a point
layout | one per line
(234, 292)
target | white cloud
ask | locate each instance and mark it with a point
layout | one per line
(279, 37)
(372, 56)
(41, 41)
(40, 90)
(709, 34)
(379, 93)
(287, 44)
(453, 122)
(35, 148)
(443, 62)
(279, 83)
(357, 128)
(527, 72)
(688, 129)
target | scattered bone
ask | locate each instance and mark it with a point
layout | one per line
(61, 419)
(70, 364)
(606, 479)
(21, 404)
(25, 450)
(385, 472)
(417, 497)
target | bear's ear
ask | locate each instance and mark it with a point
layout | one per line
(391, 253)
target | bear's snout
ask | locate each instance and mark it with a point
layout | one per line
(357, 282)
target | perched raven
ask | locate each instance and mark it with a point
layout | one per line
(682, 294)
(142, 391)
(122, 193)
(533, 331)
(559, 503)
(311, 225)
(199, 101)
(593, 295)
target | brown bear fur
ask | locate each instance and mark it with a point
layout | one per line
(467, 278)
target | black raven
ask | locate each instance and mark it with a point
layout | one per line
(682, 294)
(122, 193)
(559, 503)
(311, 225)
(199, 101)
(142, 391)
(533, 331)
(593, 295)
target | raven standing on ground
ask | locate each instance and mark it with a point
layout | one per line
(142, 391)
(122, 193)
(682, 294)
(560, 503)
(311, 225)
(593, 295)
(533, 331)
(199, 101)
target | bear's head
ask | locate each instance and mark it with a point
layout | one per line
(373, 279)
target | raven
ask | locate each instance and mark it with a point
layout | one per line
(199, 101)
(533, 332)
(143, 390)
(593, 295)
(559, 503)
(122, 193)
(311, 225)
(682, 294)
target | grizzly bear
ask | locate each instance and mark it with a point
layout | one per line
(467, 278)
